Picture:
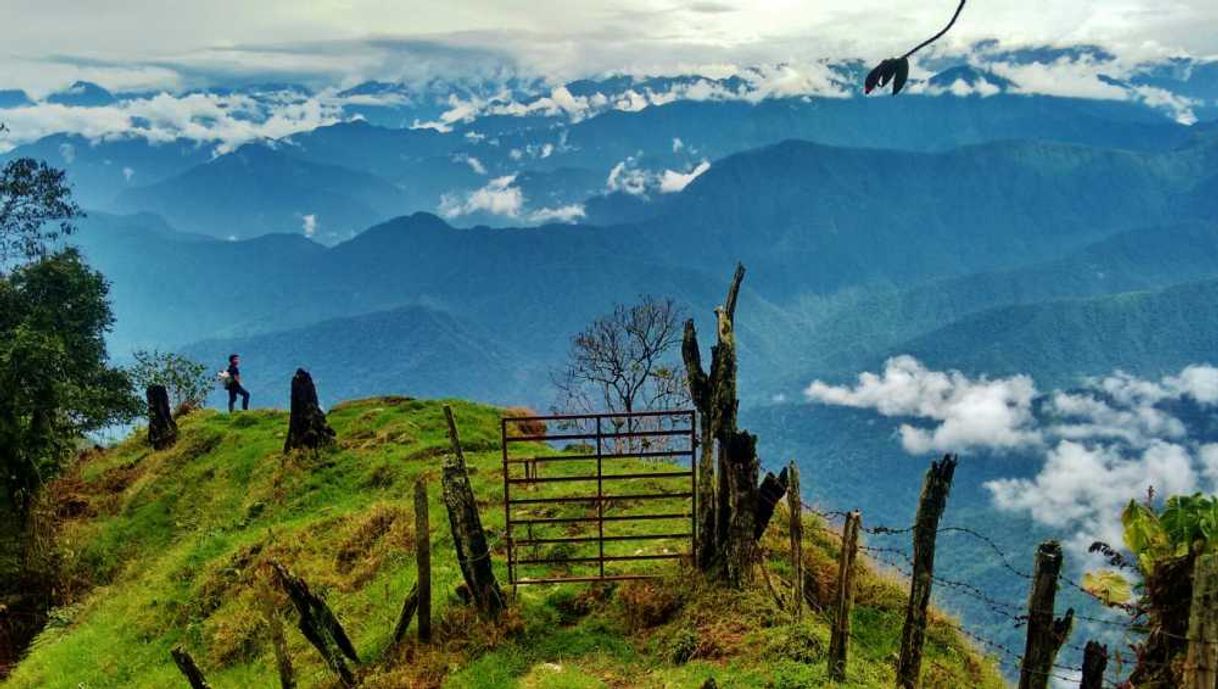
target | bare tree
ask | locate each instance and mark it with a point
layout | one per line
(625, 361)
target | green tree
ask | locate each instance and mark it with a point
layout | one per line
(36, 208)
(186, 380)
(56, 384)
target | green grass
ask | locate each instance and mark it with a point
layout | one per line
(166, 548)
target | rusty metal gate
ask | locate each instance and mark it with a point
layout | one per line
(587, 497)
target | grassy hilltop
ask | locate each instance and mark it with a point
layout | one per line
(164, 548)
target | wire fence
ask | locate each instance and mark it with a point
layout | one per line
(1117, 622)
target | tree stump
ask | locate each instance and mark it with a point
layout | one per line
(190, 670)
(162, 429)
(307, 427)
(319, 625)
(473, 553)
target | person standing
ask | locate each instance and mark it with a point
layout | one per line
(234, 384)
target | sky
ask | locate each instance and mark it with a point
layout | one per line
(144, 44)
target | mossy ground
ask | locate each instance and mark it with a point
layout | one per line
(164, 548)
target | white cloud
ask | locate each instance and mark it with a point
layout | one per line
(227, 120)
(1084, 487)
(474, 164)
(971, 413)
(564, 214)
(1103, 444)
(627, 177)
(672, 181)
(497, 197)
(308, 224)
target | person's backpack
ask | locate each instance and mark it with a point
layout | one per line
(224, 380)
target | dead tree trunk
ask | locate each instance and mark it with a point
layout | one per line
(740, 542)
(1201, 663)
(1046, 634)
(731, 513)
(839, 635)
(319, 625)
(795, 507)
(935, 489)
(473, 554)
(162, 429)
(699, 389)
(1095, 661)
(189, 669)
(307, 427)
(422, 530)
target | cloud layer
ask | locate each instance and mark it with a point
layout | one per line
(1110, 440)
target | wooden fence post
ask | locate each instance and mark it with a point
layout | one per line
(1095, 661)
(473, 553)
(319, 625)
(162, 429)
(935, 489)
(186, 664)
(795, 507)
(283, 660)
(1046, 634)
(839, 635)
(422, 530)
(1201, 664)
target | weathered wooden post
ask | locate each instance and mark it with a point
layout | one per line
(186, 664)
(1095, 661)
(307, 427)
(935, 489)
(422, 530)
(473, 554)
(319, 625)
(1201, 663)
(839, 635)
(1046, 634)
(162, 429)
(283, 660)
(409, 607)
(795, 507)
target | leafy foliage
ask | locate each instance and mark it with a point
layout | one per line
(33, 194)
(186, 380)
(55, 381)
(1187, 524)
